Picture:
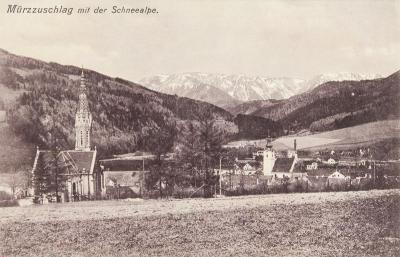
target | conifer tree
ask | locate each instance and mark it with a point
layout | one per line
(41, 178)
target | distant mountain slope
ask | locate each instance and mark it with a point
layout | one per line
(342, 76)
(191, 87)
(234, 88)
(123, 112)
(251, 106)
(227, 91)
(253, 127)
(335, 105)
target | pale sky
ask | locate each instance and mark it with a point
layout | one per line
(267, 38)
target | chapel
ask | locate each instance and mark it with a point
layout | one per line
(79, 176)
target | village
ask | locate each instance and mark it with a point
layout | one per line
(264, 171)
(80, 175)
(200, 128)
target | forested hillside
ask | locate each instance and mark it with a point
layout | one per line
(251, 106)
(253, 127)
(123, 112)
(336, 105)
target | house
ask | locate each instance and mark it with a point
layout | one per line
(331, 161)
(258, 153)
(311, 166)
(124, 177)
(225, 169)
(246, 168)
(337, 174)
(79, 176)
(291, 153)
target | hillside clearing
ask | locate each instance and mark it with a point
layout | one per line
(318, 224)
(357, 135)
(341, 138)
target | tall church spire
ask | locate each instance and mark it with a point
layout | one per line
(83, 120)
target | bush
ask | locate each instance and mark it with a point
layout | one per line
(187, 192)
(297, 185)
(259, 189)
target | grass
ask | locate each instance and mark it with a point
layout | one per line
(364, 134)
(320, 224)
(347, 137)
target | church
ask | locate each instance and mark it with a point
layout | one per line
(79, 175)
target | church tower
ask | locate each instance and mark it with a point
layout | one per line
(83, 120)
(268, 160)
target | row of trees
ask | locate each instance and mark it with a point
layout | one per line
(196, 148)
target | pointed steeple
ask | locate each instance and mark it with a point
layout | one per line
(83, 103)
(82, 79)
(83, 120)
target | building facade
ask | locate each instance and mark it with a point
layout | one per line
(78, 175)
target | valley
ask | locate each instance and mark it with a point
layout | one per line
(350, 110)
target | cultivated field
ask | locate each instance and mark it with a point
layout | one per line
(311, 224)
(341, 138)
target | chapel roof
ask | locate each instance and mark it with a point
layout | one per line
(283, 164)
(72, 161)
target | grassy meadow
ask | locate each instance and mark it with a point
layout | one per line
(355, 136)
(310, 224)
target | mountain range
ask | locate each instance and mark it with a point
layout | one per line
(40, 100)
(227, 91)
(337, 104)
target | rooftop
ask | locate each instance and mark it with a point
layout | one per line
(283, 164)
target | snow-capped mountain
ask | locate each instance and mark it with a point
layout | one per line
(229, 90)
(222, 89)
(342, 76)
(191, 86)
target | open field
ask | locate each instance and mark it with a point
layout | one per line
(313, 224)
(356, 136)
(341, 138)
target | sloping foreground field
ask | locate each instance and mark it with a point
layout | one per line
(312, 224)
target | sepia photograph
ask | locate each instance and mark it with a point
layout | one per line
(200, 128)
